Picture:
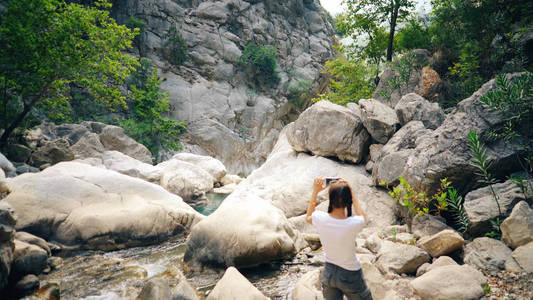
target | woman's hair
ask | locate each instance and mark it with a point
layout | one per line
(340, 196)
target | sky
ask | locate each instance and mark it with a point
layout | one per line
(334, 6)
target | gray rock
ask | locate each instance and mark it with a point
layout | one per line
(522, 255)
(481, 207)
(391, 162)
(517, 229)
(88, 145)
(327, 129)
(186, 180)
(58, 204)
(6, 165)
(486, 253)
(439, 262)
(54, 262)
(400, 258)
(7, 245)
(414, 107)
(441, 243)
(426, 225)
(18, 152)
(211, 165)
(33, 240)
(444, 152)
(375, 151)
(113, 138)
(156, 289)
(450, 282)
(233, 286)
(51, 152)
(117, 161)
(379, 119)
(28, 259)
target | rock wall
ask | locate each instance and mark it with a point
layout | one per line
(228, 118)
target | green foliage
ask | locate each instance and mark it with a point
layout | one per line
(413, 36)
(146, 123)
(176, 51)
(133, 22)
(486, 289)
(467, 70)
(495, 230)
(351, 80)
(520, 181)
(482, 164)
(369, 16)
(456, 208)
(260, 61)
(48, 46)
(298, 91)
(414, 203)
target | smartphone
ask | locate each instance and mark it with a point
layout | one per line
(330, 179)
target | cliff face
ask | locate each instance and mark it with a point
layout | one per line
(227, 115)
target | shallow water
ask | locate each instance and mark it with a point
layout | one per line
(120, 275)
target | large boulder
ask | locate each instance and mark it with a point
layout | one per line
(261, 234)
(83, 206)
(234, 286)
(379, 119)
(120, 162)
(444, 152)
(328, 129)
(481, 207)
(391, 162)
(522, 255)
(286, 180)
(400, 258)
(56, 143)
(414, 107)
(7, 245)
(186, 180)
(211, 165)
(517, 229)
(441, 243)
(486, 253)
(308, 287)
(450, 282)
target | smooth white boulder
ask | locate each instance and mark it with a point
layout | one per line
(211, 165)
(83, 206)
(234, 286)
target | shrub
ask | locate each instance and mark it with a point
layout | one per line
(146, 123)
(176, 52)
(403, 68)
(298, 90)
(260, 61)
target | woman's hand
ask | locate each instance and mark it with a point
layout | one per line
(319, 185)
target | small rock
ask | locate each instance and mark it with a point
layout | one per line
(523, 256)
(426, 225)
(486, 253)
(232, 286)
(517, 229)
(400, 258)
(450, 282)
(155, 289)
(439, 262)
(441, 243)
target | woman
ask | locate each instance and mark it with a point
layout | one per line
(337, 228)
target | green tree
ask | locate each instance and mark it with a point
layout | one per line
(413, 36)
(146, 123)
(48, 46)
(367, 17)
(351, 80)
(260, 61)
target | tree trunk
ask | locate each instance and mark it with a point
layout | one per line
(395, 7)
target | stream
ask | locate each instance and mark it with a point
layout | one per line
(121, 274)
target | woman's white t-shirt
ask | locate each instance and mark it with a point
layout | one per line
(338, 238)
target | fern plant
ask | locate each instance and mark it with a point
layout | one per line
(482, 164)
(456, 208)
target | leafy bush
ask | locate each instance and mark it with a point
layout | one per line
(176, 47)
(403, 68)
(146, 123)
(260, 61)
(413, 202)
(413, 36)
(351, 80)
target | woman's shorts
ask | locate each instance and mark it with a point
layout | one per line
(337, 281)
